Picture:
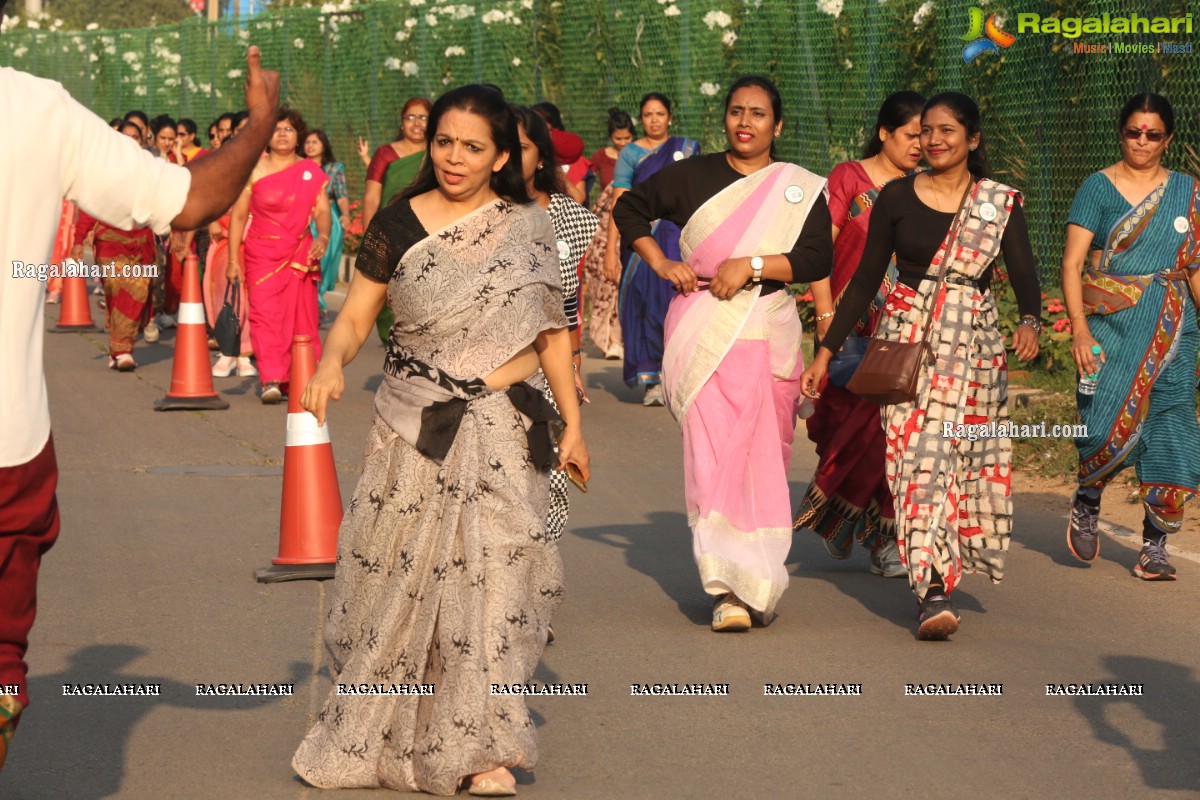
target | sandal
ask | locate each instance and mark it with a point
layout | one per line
(490, 785)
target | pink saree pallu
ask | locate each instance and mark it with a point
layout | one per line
(731, 372)
(953, 496)
(280, 280)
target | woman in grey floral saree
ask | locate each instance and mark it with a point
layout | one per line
(446, 578)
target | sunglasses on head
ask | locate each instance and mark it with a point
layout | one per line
(1133, 134)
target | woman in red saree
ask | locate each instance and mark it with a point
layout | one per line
(732, 360)
(127, 304)
(282, 261)
(848, 499)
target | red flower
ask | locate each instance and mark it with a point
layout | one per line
(1061, 325)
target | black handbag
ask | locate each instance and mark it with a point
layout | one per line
(844, 363)
(227, 330)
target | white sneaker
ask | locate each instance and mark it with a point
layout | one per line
(164, 320)
(654, 396)
(885, 561)
(224, 367)
(615, 352)
(730, 614)
(244, 368)
(150, 334)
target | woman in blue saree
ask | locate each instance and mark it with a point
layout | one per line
(1134, 232)
(644, 296)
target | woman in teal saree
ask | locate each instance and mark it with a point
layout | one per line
(1134, 228)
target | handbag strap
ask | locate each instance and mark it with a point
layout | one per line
(964, 206)
(232, 288)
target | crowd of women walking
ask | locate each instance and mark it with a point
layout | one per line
(473, 269)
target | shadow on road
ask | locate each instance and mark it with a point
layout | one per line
(75, 746)
(660, 548)
(1174, 765)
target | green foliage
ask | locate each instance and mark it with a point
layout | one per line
(78, 14)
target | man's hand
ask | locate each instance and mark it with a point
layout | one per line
(262, 86)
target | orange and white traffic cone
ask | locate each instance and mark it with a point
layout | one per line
(76, 309)
(311, 512)
(191, 372)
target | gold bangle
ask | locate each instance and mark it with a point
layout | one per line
(1079, 314)
(824, 316)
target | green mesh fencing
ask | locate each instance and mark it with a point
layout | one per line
(1049, 112)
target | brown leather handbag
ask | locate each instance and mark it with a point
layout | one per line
(889, 371)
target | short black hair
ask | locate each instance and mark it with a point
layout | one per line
(188, 125)
(550, 113)
(138, 115)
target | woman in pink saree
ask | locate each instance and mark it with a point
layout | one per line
(282, 261)
(214, 285)
(732, 359)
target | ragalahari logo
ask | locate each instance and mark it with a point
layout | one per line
(984, 36)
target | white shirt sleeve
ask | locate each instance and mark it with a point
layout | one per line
(114, 180)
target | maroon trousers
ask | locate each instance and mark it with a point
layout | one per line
(28, 527)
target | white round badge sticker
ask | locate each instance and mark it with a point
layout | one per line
(678, 155)
(564, 250)
(1181, 225)
(307, 175)
(566, 167)
(793, 194)
(987, 212)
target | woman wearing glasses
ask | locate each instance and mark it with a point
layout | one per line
(393, 167)
(282, 260)
(1134, 234)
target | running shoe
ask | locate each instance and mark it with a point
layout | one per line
(615, 352)
(654, 396)
(730, 614)
(244, 368)
(939, 618)
(164, 320)
(1152, 562)
(271, 394)
(224, 366)
(1083, 536)
(885, 560)
(150, 334)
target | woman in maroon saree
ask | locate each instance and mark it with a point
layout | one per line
(848, 499)
(282, 261)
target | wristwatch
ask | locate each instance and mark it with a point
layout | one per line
(756, 267)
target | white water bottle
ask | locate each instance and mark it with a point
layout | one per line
(1087, 384)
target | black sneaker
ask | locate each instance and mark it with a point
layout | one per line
(1152, 562)
(1083, 536)
(939, 619)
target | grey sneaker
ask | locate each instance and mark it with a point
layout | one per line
(271, 394)
(939, 618)
(885, 561)
(654, 396)
(1083, 536)
(1152, 562)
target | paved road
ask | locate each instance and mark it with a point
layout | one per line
(165, 515)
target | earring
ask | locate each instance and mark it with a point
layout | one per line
(972, 148)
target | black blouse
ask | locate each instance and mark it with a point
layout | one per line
(676, 191)
(392, 232)
(902, 224)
